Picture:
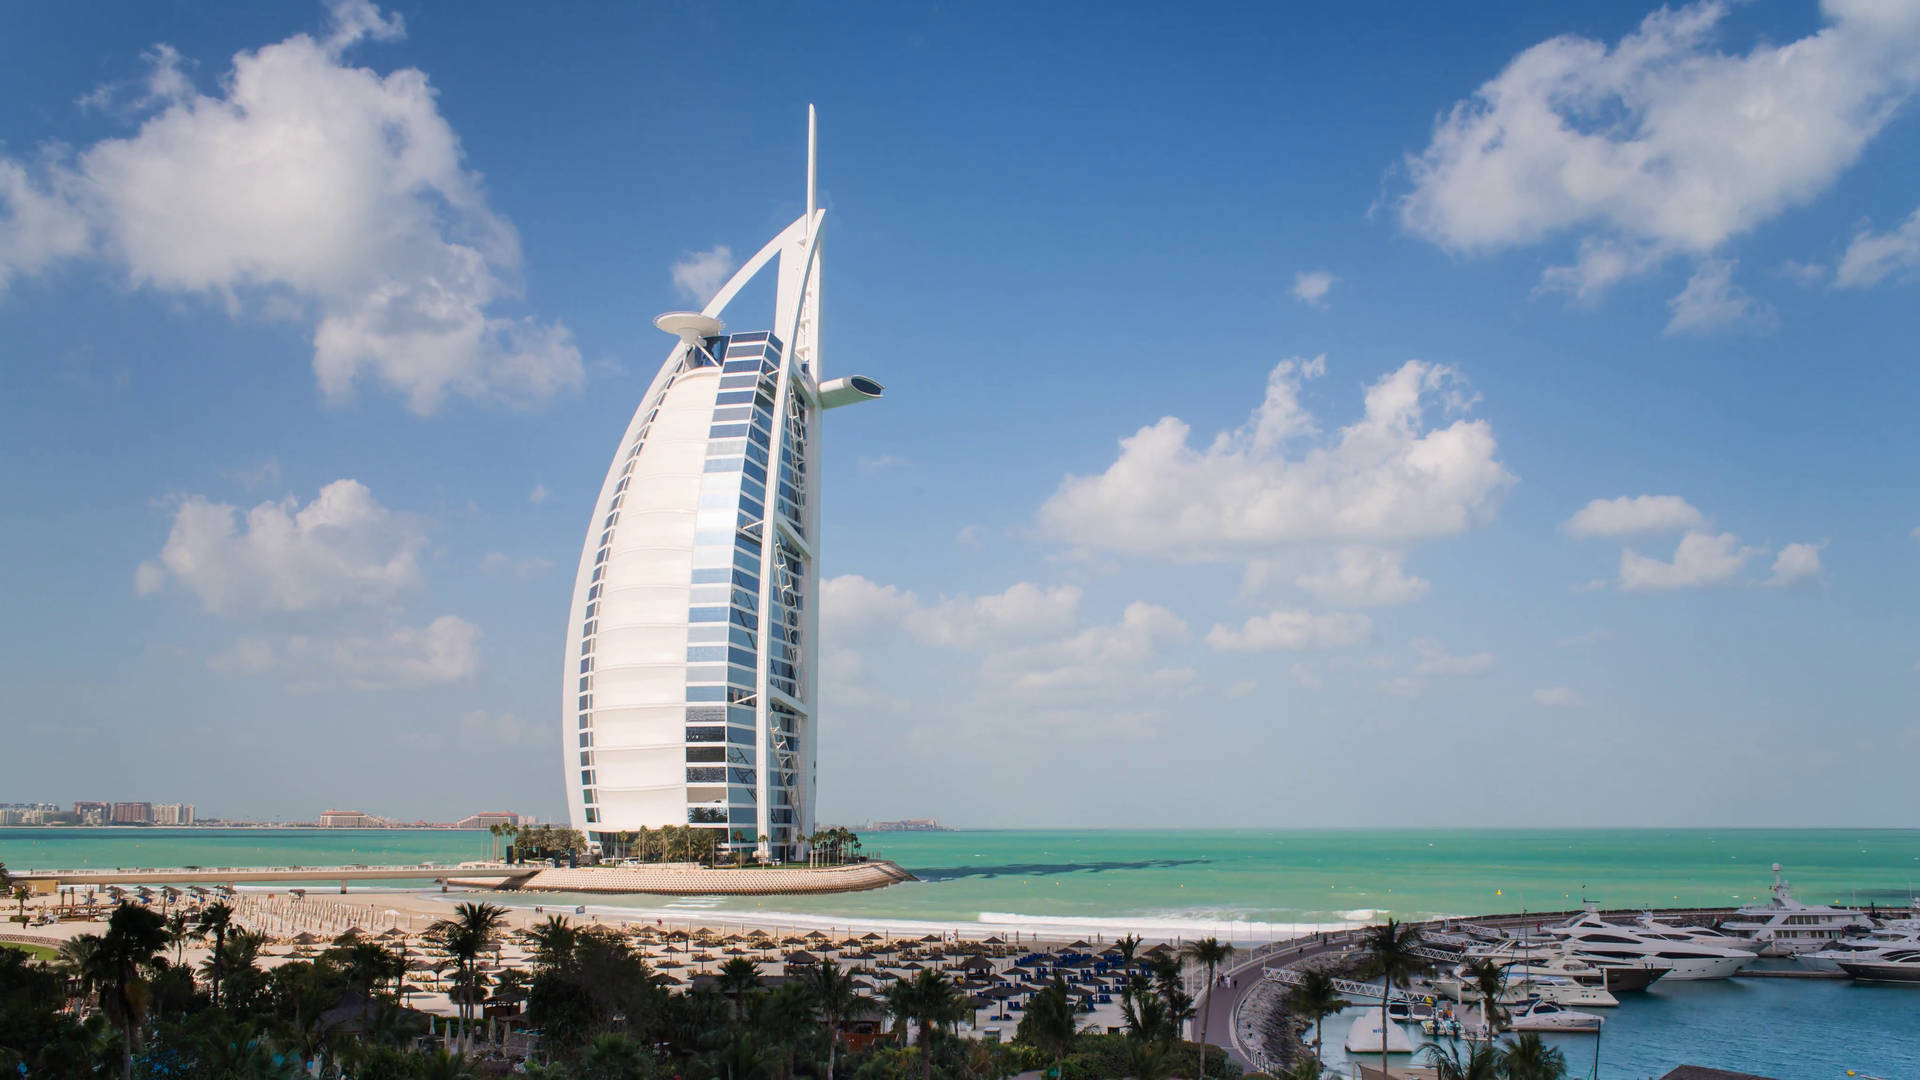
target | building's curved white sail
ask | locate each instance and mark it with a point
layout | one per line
(689, 693)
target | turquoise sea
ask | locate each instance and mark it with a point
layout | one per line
(1241, 883)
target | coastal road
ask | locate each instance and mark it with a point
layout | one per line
(1224, 1002)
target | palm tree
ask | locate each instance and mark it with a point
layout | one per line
(473, 930)
(216, 920)
(179, 930)
(739, 976)
(1390, 955)
(133, 942)
(235, 960)
(612, 1057)
(1210, 953)
(932, 1001)
(837, 999)
(1316, 998)
(1050, 1022)
(1481, 1062)
(784, 1018)
(20, 895)
(552, 942)
(1491, 983)
(1528, 1058)
(75, 960)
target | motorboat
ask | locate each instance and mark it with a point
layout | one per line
(1902, 967)
(1595, 940)
(1786, 927)
(1895, 937)
(1541, 1015)
(1518, 987)
(1699, 935)
(1612, 978)
(1364, 1036)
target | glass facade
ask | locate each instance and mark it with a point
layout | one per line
(736, 693)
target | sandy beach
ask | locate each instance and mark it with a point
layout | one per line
(678, 944)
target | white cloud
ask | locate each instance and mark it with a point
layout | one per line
(1701, 559)
(1362, 577)
(1599, 265)
(699, 274)
(341, 549)
(1434, 660)
(1803, 273)
(444, 651)
(1403, 686)
(1390, 476)
(1873, 257)
(969, 536)
(264, 475)
(247, 656)
(1627, 515)
(1237, 690)
(1796, 563)
(312, 186)
(1558, 697)
(484, 729)
(500, 564)
(539, 494)
(875, 464)
(405, 657)
(1038, 669)
(38, 227)
(1312, 286)
(853, 606)
(1663, 143)
(1295, 630)
(1597, 634)
(1099, 659)
(1306, 676)
(1711, 301)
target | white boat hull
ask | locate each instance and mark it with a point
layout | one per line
(1364, 1036)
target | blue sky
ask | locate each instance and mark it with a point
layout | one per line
(1366, 415)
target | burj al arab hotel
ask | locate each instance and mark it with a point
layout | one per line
(689, 694)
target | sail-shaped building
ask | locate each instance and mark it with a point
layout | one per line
(689, 694)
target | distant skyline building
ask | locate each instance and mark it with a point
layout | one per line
(132, 813)
(689, 691)
(349, 819)
(173, 813)
(487, 819)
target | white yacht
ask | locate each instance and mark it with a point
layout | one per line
(1899, 936)
(1546, 1016)
(1699, 935)
(1592, 938)
(1519, 986)
(1554, 958)
(1786, 927)
(1364, 1036)
(1902, 965)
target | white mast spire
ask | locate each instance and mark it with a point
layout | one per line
(810, 167)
